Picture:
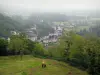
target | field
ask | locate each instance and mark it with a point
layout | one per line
(32, 66)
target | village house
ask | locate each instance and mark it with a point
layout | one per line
(32, 33)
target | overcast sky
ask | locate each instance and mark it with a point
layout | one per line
(50, 5)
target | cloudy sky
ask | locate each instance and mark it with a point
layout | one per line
(50, 5)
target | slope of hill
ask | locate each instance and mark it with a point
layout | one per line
(7, 24)
(32, 66)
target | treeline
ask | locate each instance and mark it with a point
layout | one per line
(94, 30)
(83, 52)
(20, 45)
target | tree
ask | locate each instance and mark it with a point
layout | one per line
(18, 44)
(38, 49)
(3, 47)
(80, 51)
(31, 46)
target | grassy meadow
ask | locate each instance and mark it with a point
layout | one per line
(10, 65)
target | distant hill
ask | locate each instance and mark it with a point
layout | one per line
(7, 24)
(43, 22)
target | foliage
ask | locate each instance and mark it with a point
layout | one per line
(18, 44)
(38, 49)
(3, 47)
(30, 46)
(80, 51)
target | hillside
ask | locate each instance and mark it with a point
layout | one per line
(7, 24)
(32, 66)
(19, 23)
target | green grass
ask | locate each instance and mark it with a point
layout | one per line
(32, 66)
